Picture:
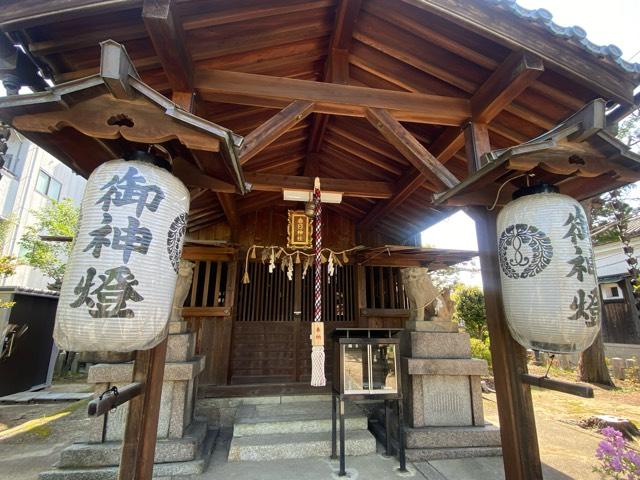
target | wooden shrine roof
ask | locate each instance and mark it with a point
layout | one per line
(579, 156)
(371, 95)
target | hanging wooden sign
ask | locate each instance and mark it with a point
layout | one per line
(299, 230)
(317, 334)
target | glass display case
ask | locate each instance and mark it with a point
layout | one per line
(366, 366)
(367, 362)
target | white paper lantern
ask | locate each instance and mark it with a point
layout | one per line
(549, 283)
(118, 286)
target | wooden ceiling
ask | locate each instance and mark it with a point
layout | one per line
(247, 65)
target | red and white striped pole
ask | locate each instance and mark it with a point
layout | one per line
(317, 329)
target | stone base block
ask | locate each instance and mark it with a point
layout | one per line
(91, 455)
(123, 372)
(452, 437)
(180, 347)
(438, 345)
(418, 455)
(439, 325)
(166, 470)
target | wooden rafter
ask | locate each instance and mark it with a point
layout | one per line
(334, 99)
(509, 80)
(167, 39)
(411, 148)
(349, 188)
(193, 176)
(485, 20)
(506, 83)
(272, 129)
(336, 69)
(228, 204)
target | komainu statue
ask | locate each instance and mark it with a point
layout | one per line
(426, 300)
(420, 291)
(183, 285)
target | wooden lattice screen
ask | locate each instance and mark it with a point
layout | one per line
(271, 296)
(209, 286)
(384, 288)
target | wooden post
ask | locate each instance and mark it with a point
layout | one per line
(515, 407)
(139, 444)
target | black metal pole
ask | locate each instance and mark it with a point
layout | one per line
(401, 453)
(334, 406)
(387, 426)
(342, 471)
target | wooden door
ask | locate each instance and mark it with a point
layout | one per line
(271, 330)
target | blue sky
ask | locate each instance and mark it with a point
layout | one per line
(606, 22)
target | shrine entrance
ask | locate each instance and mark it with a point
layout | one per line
(270, 339)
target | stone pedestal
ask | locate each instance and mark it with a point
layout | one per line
(443, 396)
(184, 443)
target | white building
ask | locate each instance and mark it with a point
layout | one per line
(31, 178)
(620, 322)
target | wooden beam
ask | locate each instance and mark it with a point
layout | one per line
(141, 430)
(520, 452)
(334, 99)
(476, 136)
(507, 82)
(20, 14)
(336, 69)
(411, 148)
(228, 204)
(167, 38)
(510, 79)
(506, 29)
(272, 129)
(266, 182)
(191, 175)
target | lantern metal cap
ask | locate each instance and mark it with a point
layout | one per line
(533, 189)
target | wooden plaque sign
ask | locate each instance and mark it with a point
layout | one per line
(317, 334)
(300, 230)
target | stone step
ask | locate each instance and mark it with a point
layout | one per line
(297, 445)
(292, 418)
(453, 437)
(84, 455)
(425, 454)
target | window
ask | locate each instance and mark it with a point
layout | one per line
(48, 186)
(611, 291)
(10, 162)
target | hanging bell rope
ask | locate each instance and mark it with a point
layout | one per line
(317, 329)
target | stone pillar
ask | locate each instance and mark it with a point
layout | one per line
(441, 383)
(618, 368)
(184, 442)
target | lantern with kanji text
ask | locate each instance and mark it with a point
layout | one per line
(119, 283)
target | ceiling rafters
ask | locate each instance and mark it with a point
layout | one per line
(336, 70)
(510, 79)
(274, 128)
(168, 42)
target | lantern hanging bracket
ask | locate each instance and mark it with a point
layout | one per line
(578, 389)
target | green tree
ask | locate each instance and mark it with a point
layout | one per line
(50, 257)
(469, 308)
(7, 262)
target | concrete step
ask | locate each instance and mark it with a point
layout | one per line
(301, 417)
(453, 437)
(297, 445)
(425, 454)
(87, 455)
